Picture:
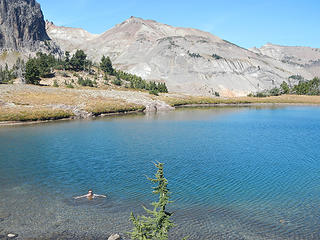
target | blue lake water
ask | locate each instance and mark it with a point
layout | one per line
(234, 173)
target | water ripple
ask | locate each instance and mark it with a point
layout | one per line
(234, 174)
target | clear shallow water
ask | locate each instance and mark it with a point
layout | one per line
(235, 173)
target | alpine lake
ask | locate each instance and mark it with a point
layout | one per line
(241, 172)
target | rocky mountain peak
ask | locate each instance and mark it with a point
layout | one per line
(136, 20)
(188, 60)
(22, 25)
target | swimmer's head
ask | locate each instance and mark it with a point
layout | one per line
(90, 191)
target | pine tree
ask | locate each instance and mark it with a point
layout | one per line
(32, 72)
(157, 224)
(78, 60)
(284, 88)
(106, 65)
(67, 60)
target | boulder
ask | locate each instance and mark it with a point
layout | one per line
(114, 237)
(12, 235)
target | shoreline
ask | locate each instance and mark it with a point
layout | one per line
(121, 113)
(243, 104)
(21, 123)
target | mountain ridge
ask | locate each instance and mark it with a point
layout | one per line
(188, 60)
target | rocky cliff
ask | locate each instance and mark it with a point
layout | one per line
(22, 28)
(188, 60)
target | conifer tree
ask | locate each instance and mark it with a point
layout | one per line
(32, 74)
(67, 60)
(78, 60)
(157, 224)
(106, 65)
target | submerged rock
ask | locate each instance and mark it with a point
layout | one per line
(12, 235)
(114, 237)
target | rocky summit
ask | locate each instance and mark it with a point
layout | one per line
(22, 27)
(187, 60)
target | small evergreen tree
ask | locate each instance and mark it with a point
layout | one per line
(106, 65)
(162, 88)
(157, 225)
(67, 60)
(284, 88)
(78, 60)
(43, 63)
(32, 72)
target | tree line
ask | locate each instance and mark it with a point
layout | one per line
(43, 65)
(303, 87)
(137, 82)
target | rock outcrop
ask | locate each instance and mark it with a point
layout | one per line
(22, 29)
(187, 60)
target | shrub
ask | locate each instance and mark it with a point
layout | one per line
(154, 92)
(215, 56)
(296, 77)
(6, 75)
(117, 81)
(55, 83)
(69, 85)
(275, 91)
(85, 82)
(194, 55)
(261, 94)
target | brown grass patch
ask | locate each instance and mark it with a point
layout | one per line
(42, 98)
(100, 106)
(32, 114)
(189, 100)
(294, 99)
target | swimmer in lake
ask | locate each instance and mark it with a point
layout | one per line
(90, 195)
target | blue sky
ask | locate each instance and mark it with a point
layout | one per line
(246, 23)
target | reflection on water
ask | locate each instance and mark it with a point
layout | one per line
(235, 173)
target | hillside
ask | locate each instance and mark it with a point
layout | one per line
(188, 60)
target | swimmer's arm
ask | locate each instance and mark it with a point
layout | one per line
(83, 196)
(98, 195)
